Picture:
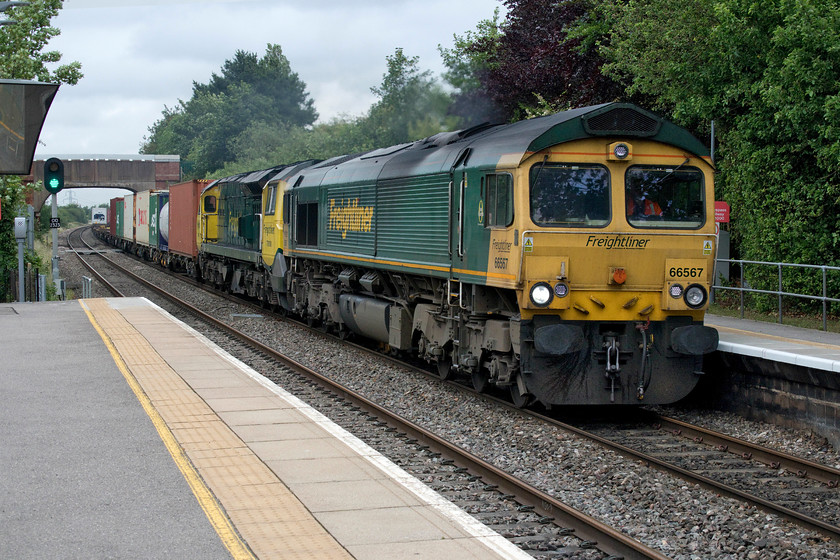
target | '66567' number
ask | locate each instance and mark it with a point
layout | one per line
(685, 272)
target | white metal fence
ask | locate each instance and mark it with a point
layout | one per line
(743, 286)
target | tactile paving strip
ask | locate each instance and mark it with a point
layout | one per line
(270, 519)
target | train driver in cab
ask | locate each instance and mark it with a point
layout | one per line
(640, 205)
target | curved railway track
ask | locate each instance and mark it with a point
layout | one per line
(794, 488)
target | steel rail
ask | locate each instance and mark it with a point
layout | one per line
(802, 468)
(111, 288)
(828, 529)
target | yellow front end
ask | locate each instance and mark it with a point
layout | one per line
(616, 252)
(618, 266)
(616, 277)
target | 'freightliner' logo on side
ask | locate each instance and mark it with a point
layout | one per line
(616, 242)
(347, 215)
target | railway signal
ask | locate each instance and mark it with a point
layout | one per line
(53, 175)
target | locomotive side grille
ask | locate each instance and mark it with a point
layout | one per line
(622, 120)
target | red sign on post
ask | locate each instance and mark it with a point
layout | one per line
(721, 212)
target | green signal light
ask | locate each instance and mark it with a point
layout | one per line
(53, 175)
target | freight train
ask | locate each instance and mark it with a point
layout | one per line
(567, 258)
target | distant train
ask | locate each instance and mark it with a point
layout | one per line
(567, 258)
(99, 216)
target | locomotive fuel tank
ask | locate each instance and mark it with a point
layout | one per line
(377, 319)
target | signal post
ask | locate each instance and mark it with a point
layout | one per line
(54, 182)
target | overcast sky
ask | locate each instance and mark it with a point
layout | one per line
(138, 56)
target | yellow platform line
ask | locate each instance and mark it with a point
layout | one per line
(218, 519)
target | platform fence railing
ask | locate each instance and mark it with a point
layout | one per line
(744, 288)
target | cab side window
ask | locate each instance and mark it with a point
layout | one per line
(210, 204)
(271, 200)
(498, 203)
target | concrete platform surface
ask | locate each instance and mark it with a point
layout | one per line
(166, 446)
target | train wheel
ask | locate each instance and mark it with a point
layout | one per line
(444, 368)
(480, 380)
(519, 398)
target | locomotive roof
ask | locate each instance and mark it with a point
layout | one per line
(488, 145)
(256, 180)
(481, 146)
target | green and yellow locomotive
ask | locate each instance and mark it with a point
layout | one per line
(567, 258)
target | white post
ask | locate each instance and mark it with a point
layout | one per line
(55, 272)
(20, 236)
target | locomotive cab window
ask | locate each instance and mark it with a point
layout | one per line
(664, 197)
(210, 204)
(568, 195)
(498, 205)
(270, 200)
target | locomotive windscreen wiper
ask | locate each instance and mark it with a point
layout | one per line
(660, 180)
(542, 166)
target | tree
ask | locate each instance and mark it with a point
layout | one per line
(411, 104)
(279, 92)
(468, 64)
(22, 58)
(768, 73)
(248, 91)
(529, 61)
(22, 43)
(262, 146)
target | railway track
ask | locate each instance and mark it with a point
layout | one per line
(795, 489)
(791, 487)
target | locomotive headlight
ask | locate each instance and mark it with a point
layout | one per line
(541, 294)
(676, 291)
(621, 151)
(561, 289)
(695, 296)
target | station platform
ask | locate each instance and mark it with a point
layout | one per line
(127, 434)
(807, 348)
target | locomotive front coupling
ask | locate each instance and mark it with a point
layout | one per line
(625, 362)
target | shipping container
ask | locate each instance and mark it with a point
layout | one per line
(141, 218)
(120, 218)
(112, 216)
(183, 210)
(158, 231)
(99, 216)
(127, 232)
